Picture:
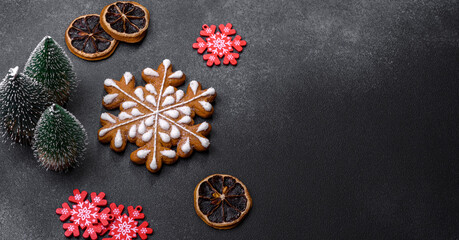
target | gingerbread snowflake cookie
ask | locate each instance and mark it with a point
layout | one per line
(156, 117)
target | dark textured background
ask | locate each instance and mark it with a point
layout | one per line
(341, 118)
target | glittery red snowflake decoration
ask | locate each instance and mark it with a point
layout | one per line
(219, 45)
(85, 214)
(124, 227)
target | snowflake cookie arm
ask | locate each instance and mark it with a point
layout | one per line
(135, 105)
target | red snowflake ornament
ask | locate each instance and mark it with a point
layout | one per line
(219, 45)
(85, 214)
(124, 227)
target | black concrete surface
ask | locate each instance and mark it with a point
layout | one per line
(341, 118)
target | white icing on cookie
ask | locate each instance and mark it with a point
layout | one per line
(149, 121)
(175, 133)
(203, 127)
(204, 142)
(168, 153)
(128, 104)
(151, 88)
(127, 77)
(147, 136)
(133, 131)
(110, 97)
(185, 120)
(177, 74)
(185, 110)
(168, 101)
(139, 93)
(141, 128)
(207, 106)
(165, 137)
(169, 90)
(194, 86)
(210, 91)
(179, 95)
(164, 124)
(186, 148)
(151, 100)
(172, 113)
(107, 117)
(142, 154)
(104, 131)
(118, 139)
(136, 112)
(124, 115)
(109, 82)
(166, 63)
(150, 72)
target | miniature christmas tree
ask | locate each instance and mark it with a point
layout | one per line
(50, 66)
(22, 101)
(60, 139)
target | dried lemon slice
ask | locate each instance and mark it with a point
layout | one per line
(88, 40)
(125, 21)
(221, 201)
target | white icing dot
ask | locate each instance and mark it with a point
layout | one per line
(203, 127)
(164, 137)
(194, 86)
(164, 124)
(179, 95)
(185, 110)
(142, 128)
(139, 93)
(118, 139)
(204, 142)
(133, 131)
(150, 88)
(150, 72)
(168, 101)
(210, 91)
(107, 117)
(168, 153)
(136, 112)
(169, 90)
(166, 64)
(110, 97)
(142, 154)
(149, 121)
(175, 133)
(185, 119)
(103, 132)
(127, 77)
(124, 115)
(147, 136)
(177, 74)
(172, 113)
(186, 146)
(109, 82)
(151, 100)
(128, 104)
(207, 106)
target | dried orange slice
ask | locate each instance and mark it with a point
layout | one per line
(125, 21)
(88, 40)
(221, 201)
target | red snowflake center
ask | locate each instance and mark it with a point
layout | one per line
(219, 44)
(124, 228)
(84, 214)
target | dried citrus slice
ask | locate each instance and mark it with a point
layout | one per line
(88, 40)
(125, 21)
(221, 201)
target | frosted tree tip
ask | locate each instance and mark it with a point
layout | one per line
(13, 71)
